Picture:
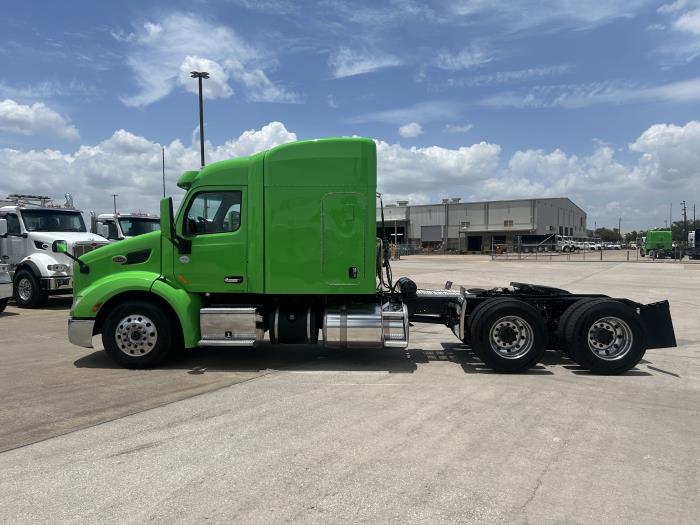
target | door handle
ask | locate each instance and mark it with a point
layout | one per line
(233, 279)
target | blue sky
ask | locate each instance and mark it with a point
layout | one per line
(598, 101)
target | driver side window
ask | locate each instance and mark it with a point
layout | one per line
(213, 212)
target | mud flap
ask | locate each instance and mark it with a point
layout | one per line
(656, 318)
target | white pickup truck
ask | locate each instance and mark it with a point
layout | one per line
(29, 225)
(118, 226)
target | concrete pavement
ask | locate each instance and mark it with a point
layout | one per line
(313, 436)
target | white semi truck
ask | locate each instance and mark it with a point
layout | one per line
(5, 286)
(29, 225)
(118, 226)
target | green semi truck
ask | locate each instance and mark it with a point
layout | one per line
(284, 243)
(658, 244)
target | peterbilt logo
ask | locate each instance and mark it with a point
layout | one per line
(119, 259)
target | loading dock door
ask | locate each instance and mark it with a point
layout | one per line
(431, 233)
(474, 243)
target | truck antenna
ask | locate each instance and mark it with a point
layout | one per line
(163, 152)
(199, 75)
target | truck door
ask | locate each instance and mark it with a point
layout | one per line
(214, 221)
(15, 244)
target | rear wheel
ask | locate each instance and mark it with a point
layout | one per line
(564, 345)
(27, 289)
(508, 335)
(606, 337)
(138, 334)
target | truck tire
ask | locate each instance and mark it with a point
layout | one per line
(508, 335)
(606, 337)
(564, 345)
(3, 305)
(27, 290)
(138, 334)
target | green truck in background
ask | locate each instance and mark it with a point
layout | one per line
(284, 243)
(658, 244)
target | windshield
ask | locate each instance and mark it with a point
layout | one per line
(138, 226)
(53, 221)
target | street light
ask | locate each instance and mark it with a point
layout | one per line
(199, 75)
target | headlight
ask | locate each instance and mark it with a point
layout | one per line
(4, 267)
(57, 267)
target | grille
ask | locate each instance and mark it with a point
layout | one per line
(82, 248)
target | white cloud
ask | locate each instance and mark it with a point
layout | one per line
(216, 86)
(452, 128)
(521, 15)
(468, 58)
(403, 171)
(574, 96)
(37, 119)
(410, 130)
(45, 90)
(161, 54)
(672, 7)
(664, 164)
(424, 111)
(346, 62)
(511, 77)
(127, 164)
(689, 22)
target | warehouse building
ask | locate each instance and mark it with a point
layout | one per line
(475, 226)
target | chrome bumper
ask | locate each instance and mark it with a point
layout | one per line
(5, 289)
(80, 332)
(56, 283)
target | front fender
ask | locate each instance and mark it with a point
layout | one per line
(186, 306)
(39, 263)
(89, 300)
(87, 303)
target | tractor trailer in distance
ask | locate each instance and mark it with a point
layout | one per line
(284, 243)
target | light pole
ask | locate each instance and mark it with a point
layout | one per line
(199, 75)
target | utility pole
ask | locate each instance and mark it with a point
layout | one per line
(670, 217)
(685, 222)
(163, 151)
(199, 75)
(114, 197)
(619, 227)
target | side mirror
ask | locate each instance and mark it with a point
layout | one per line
(167, 222)
(59, 247)
(167, 226)
(102, 230)
(3, 227)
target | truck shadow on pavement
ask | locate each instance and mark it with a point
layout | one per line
(302, 358)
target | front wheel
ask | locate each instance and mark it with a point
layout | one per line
(137, 334)
(27, 290)
(508, 335)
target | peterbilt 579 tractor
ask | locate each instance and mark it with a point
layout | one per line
(284, 243)
(29, 225)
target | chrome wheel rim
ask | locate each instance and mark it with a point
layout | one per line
(136, 335)
(511, 337)
(25, 289)
(610, 338)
